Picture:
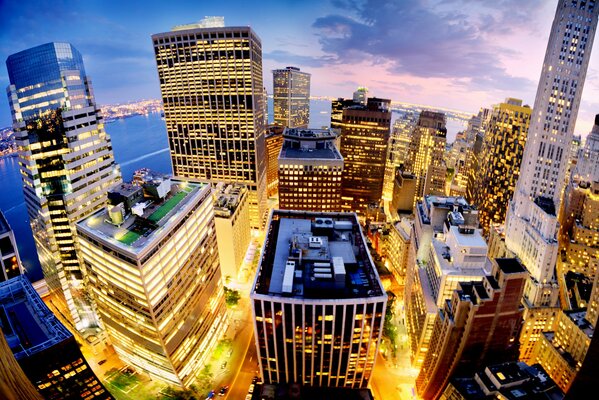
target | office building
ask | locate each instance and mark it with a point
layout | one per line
(66, 161)
(10, 262)
(587, 164)
(274, 142)
(45, 350)
(397, 152)
(561, 352)
(477, 326)
(337, 107)
(364, 140)
(291, 97)
(317, 301)
(456, 253)
(403, 195)
(214, 107)
(153, 266)
(457, 167)
(397, 250)
(14, 384)
(310, 170)
(233, 231)
(531, 223)
(474, 134)
(431, 216)
(510, 381)
(427, 150)
(500, 158)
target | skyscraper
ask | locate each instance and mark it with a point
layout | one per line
(66, 160)
(310, 171)
(46, 351)
(427, 148)
(10, 262)
(317, 302)
(397, 153)
(274, 142)
(500, 158)
(214, 106)
(531, 223)
(364, 139)
(153, 266)
(291, 97)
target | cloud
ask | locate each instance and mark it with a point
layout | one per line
(427, 40)
(286, 57)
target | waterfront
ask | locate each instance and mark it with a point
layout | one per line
(139, 141)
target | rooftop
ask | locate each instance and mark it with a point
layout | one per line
(227, 197)
(27, 323)
(310, 144)
(510, 265)
(136, 232)
(316, 256)
(4, 227)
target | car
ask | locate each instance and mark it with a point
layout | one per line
(251, 388)
(256, 379)
(210, 395)
(101, 362)
(248, 397)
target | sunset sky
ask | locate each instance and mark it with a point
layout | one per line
(460, 54)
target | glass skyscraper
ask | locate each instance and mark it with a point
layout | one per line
(291, 97)
(66, 163)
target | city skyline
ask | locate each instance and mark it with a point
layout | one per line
(466, 59)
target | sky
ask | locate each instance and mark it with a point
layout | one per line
(458, 54)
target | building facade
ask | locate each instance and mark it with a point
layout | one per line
(397, 153)
(66, 161)
(46, 351)
(317, 301)
(10, 261)
(291, 97)
(500, 158)
(427, 150)
(364, 139)
(214, 107)
(310, 171)
(154, 273)
(274, 142)
(531, 223)
(477, 326)
(233, 231)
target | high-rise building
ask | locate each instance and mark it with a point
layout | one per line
(397, 153)
(317, 301)
(499, 161)
(510, 380)
(587, 164)
(337, 107)
(531, 223)
(10, 261)
(274, 142)
(427, 149)
(66, 161)
(291, 97)
(456, 163)
(450, 250)
(477, 326)
(153, 266)
(364, 139)
(46, 351)
(310, 170)
(475, 133)
(397, 250)
(361, 95)
(214, 107)
(233, 232)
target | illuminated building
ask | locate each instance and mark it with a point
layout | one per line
(510, 380)
(398, 246)
(587, 164)
(404, 192)
(478, 325)
(364, 140)
(233, 232)
(291, 97)
(397, 153)
(337, 107)
(274, 142)
(317, 301)
(531, 223)
(66, 162)
(457, 161)
(430, 223)
(561, 352)
(361, 95)
(427, 149)
(14, 384)
(475, 133)
(154, 273)
(499, 165)
(214, 107)
(46, 351)
(310, 170)
(10, 262)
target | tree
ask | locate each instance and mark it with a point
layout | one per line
(231, 297)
